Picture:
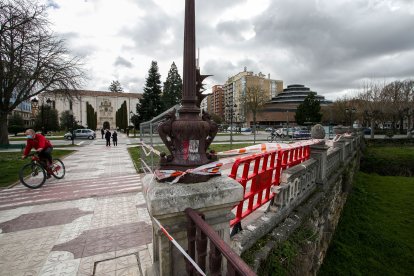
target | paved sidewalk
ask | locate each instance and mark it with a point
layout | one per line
(92, 222)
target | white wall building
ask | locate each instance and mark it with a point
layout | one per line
(104, 103)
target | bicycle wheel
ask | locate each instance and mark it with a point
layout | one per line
(58, 169)
(270, 139)
(32, 175)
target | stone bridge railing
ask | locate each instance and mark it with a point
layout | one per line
(299, 184)
(317, 180)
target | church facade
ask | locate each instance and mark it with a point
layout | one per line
(105, 104)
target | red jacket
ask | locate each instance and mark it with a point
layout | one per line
(39, 141)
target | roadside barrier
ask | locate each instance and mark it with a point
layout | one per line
(258, 173)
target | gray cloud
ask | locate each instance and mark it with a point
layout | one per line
(120, 61)
(327, 45)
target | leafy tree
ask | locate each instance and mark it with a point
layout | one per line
(16, 123)
(254, 101)
(216, 118)
(173, 87)
(32, 58)
(115, 86)
(150, 105)
(135, 121)
(47, 119)
(65, 120)
(309, 110)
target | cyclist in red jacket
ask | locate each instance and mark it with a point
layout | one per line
(40, 144)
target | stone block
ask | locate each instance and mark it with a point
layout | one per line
(166, 202)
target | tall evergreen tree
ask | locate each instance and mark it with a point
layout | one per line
(91, 116)
(150, 105)
(115, 86)
(309, 110)
(173, 87)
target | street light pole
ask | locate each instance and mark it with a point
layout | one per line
(350, 110)
(231, 123)
(73, 126)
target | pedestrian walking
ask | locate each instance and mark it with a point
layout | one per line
(108, 138)
(127, 132)
(115, 138)
(102, 132)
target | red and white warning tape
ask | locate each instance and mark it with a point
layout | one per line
(179, 247)
(214, 167)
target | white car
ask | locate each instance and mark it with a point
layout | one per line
(81, 133)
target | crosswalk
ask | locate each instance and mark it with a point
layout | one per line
(61, 190)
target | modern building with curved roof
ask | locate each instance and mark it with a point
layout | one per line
(296, 94)
(281, 109)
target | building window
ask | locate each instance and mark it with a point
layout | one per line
(70, 105)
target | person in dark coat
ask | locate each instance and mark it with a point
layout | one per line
(108, 138)
(115, 138)
(102, 132)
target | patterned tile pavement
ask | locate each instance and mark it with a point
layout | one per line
(92, 222)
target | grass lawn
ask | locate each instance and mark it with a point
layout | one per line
(10, 164)
(135, 152)
(375, 232)
(389, 160)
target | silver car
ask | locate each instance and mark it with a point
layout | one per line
(82, 133)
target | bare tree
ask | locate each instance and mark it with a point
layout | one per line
(32, 58)
(372, 102)
(254, 101)
(408, 95)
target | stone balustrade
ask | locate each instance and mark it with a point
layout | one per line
(296, 184)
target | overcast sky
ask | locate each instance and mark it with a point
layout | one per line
(331, 46)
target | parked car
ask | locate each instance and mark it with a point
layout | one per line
(301, 134)
(246, 129)
(367, 131)
(234, 128)
(269, 129)
(81, 133)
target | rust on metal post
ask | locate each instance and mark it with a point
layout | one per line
(189, 98)
(188, 137)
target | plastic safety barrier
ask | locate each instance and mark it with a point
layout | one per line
(259, 172)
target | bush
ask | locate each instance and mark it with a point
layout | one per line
(389, 160)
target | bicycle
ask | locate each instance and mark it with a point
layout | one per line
(274, 136)
(37, 170)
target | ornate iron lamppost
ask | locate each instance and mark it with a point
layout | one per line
(189, 136)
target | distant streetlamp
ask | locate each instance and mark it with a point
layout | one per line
(350, 111)
(45, 123)
(231, 122)
(72, 121)
(35, 109)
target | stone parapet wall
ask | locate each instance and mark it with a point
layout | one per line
(311, 194)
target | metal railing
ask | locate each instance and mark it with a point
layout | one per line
(149, 135)
(198, 234)
(260, 173)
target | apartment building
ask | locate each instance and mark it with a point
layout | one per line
(218, 100)
(235, 90)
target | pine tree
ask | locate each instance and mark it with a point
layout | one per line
(91, 118)
(309, 110)
(150, 105)
(115, 86)
(173, 87)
